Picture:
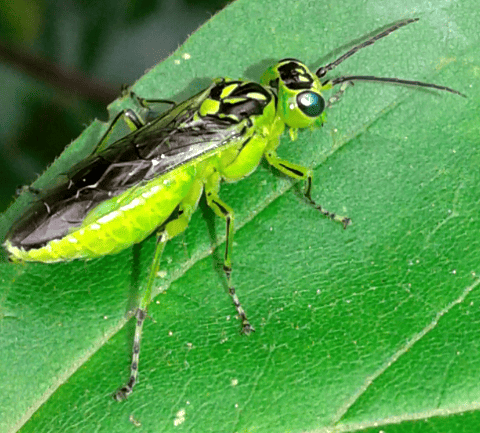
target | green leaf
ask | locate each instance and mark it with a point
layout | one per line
(374, 327)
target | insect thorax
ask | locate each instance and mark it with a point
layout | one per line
(236, 100)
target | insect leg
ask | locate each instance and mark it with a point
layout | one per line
(299, 172)
(133, 121)
(147, 103)
(338, 95)
(169, 231)
(140, 316)
(224, 211)
(26, 188)
(143, 102)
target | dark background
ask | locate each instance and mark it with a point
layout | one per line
(62, 63)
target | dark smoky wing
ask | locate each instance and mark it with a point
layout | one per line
(53, 216)
(159, 150)
(149, 152)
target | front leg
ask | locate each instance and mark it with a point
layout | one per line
(296, 171)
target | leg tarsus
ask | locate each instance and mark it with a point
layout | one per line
(125, 391)
(345, 221)
(247, 328)
(19, 190)
(338, 95)
(296, 171)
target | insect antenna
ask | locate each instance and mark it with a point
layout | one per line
(322, 71)
(349, 78)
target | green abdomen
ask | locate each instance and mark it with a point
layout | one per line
(117, 223)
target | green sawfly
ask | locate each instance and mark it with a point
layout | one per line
(152, 179)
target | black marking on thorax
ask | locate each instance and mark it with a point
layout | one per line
(239, 104)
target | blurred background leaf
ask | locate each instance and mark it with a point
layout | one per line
(63, 62)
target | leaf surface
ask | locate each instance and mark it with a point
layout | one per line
(374, 327)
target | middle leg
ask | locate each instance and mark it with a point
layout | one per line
(212, 187)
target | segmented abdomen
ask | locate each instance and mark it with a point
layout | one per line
(132, 217)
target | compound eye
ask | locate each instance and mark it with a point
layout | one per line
(311, 103)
